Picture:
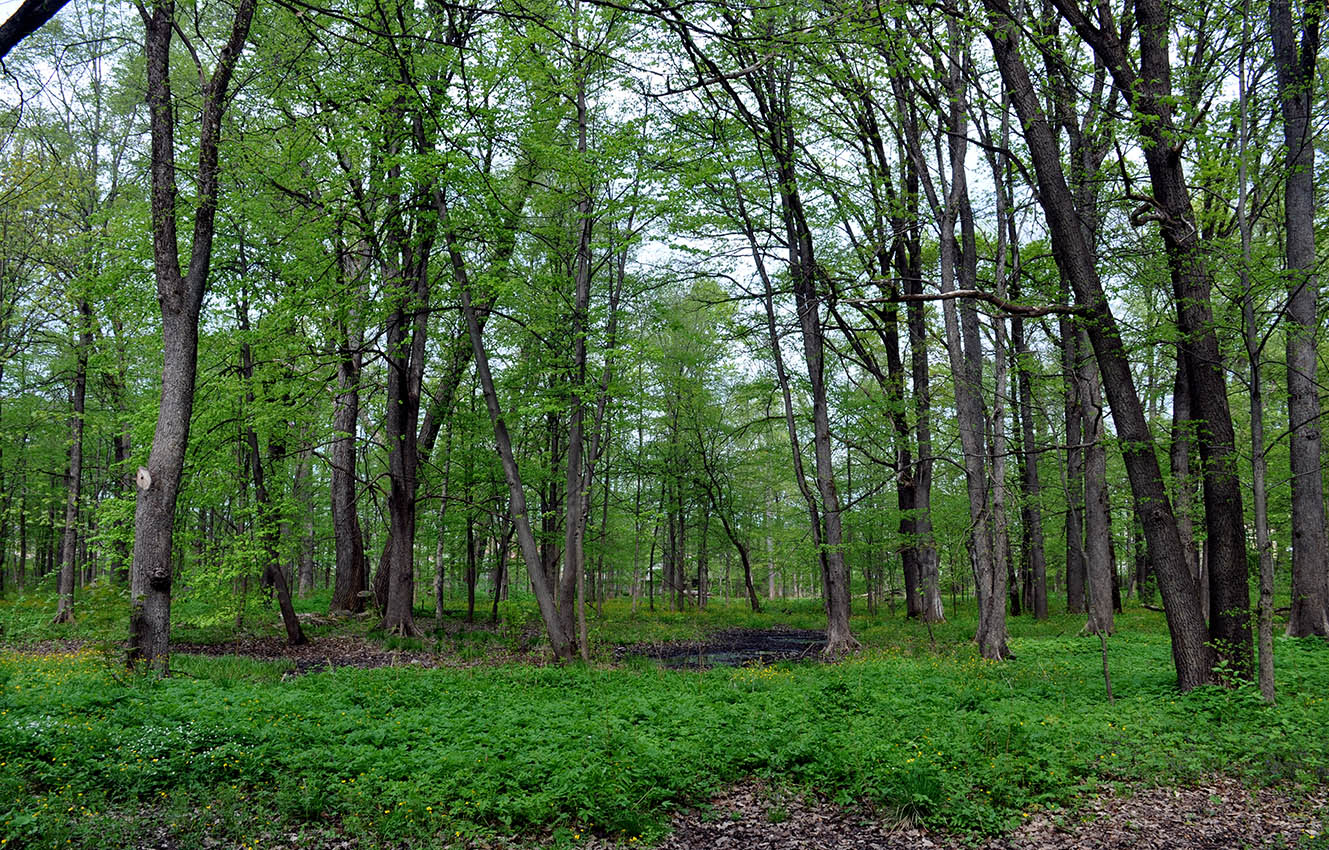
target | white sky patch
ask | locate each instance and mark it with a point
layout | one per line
(7, 8)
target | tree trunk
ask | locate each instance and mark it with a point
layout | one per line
(909, 264)
(1075, 412)
(351, 577)
(1097, 531)
(559, 640)
(1030, 509)
(1191, 653)
(405, 373)
(1148, 92)
(69, 555)
(1296, 89)
(180, 297)
(965, 369)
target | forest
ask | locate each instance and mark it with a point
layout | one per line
(532, 338)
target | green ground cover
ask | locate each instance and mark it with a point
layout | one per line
(237, 750)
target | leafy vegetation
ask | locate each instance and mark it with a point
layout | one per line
(240, 750)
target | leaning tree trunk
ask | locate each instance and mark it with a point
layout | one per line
(1192, 655)
(1147, 88)
(180, 296)
(559, 640)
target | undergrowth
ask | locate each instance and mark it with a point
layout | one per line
(916, 725)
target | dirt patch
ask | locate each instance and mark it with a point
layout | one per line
(1218, 814)
(319, 654)
(733, 648)
(453, 650)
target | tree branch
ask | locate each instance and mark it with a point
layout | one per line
(1027, 311)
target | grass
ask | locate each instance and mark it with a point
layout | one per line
(233, 750)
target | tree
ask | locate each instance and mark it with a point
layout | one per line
(1296, 68)
(180, 294)
(767, 113)
(1147, 90)
(1192, 655)
(25, 20)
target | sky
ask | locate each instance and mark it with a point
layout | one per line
(7, 8)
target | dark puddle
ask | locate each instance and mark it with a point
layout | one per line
(734, 648)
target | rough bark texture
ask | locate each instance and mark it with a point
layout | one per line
(1031, 510)
(1148, 91)
(180, 296)
(1191, 654)
(348, 540)
(406, 350)
(1296, 87)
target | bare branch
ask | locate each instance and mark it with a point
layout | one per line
(1027, 311)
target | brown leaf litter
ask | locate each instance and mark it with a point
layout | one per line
(1217, 814)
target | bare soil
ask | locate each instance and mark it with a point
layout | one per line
(1215, 815)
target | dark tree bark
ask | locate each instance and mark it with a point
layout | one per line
(25, 20)
(1030, 508)
(405, 361)
(350, 575)
(74, 480)
(889, 261)
(1296, 90)
(180, 296)
(1192, 655)
(1148, 90)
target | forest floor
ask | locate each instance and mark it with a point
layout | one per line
(1217, 814)
(470, 737)
(732, 647)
